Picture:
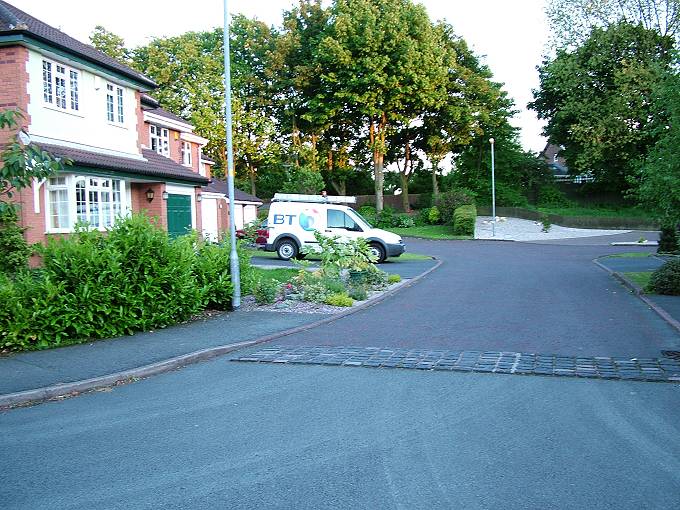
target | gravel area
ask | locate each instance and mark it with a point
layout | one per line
(515, 229)
(249, 304)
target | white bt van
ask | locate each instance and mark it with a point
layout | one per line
(293, 219)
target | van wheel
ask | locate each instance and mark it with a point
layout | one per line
(287, 249)
(379, 252)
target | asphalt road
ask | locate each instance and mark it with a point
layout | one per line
(504, 296)
(233, 435)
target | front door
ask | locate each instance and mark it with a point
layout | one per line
(179, 215)
(209, 219)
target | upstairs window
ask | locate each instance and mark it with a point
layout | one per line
(60, 86)
(160, 140)
(114, 104)
(186, 153)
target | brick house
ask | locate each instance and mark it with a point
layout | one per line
(128, 153)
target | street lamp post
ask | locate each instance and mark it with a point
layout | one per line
(233, 255)
(493, 191)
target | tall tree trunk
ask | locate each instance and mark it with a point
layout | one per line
(435, 184)
(377, 137)
(251, 173)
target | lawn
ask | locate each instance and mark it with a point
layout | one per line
(630, 255)
(623, 212)
(282, 275)
(639, 278)
(428, 232)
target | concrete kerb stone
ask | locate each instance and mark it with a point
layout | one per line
(38, 395)
(638, 292)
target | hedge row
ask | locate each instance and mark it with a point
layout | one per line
(94, 285)
(464, 218)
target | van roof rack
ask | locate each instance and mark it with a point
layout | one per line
(317, 199)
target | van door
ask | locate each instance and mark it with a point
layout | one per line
(338, 223)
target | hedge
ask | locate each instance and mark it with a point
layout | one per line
(101, 285)
(464, 218)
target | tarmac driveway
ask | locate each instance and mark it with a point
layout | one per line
(504, 296)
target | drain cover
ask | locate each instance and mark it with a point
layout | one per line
(671, 354)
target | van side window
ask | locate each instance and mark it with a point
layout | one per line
(338, 219)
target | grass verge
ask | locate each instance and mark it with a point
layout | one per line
(280, 275)
(639, 278)
(428, 232)
(623, 212)
(629, 255)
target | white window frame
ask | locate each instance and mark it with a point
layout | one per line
(159, 139)
(115, 104)
(98, 190)
(186, 154)
(58, 77)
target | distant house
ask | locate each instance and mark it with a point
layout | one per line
(128, 153)
(216, 211)
(551, 154)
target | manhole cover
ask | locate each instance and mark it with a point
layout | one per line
(671, 354)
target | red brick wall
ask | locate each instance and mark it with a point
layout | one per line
(175, 146)
(199, 217)
(142, 128)
(156, 208)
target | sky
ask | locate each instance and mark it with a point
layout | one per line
(511, 36)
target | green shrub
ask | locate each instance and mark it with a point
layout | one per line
(14, 250)
(668, 240)
(376, 278)
(546, 224)
(385, 218)
(433, 216)
(93, 286)
(666, 279)
(402, 221)
(341, 299)
(507, 196)
(266, 291)
(464, 218)
(551, 196)
(358, 293)
(369, 214)
(333, 285)
(446, 203)
(393, 278)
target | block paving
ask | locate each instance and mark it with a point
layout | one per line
(616, 368)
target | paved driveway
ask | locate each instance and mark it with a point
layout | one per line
(504, 296)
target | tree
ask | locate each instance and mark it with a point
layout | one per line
(659, 171)
(571, 21)
(381, 63)
(598, 101)
(111, 44)
(21, 164)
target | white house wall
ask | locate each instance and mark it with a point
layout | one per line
(89, 126)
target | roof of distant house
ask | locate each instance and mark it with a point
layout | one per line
(220, 186)
(16, 21)
(151, 105)
(153, 165)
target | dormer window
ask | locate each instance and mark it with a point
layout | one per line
(186, 153)
(60, 86)
(160, 140)
(114, 104)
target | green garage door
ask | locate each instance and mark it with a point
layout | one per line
(179, 215)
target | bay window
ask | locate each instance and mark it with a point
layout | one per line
(97, 201)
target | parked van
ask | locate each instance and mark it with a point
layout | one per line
(293, 219)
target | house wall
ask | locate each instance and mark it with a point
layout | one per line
(156, 208)
(89, 125)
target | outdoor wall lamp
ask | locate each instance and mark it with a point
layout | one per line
(164, 195)
(199, 198)
(150, 194)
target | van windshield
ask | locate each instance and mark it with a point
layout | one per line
(360, 219)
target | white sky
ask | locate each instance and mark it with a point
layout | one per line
(510, 34)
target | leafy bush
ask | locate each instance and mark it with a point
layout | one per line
(375, 278)
(369, 214)
(433, 216)
(336, 255)
(551, 196)
(266, 291)
(446, 203)
(333, 285)
(666, 279)
(668, 240)
(464, 218)
(402, 221)
(341, 299)
(358, 293)
(385, 218)
(507, 196)
(93, 285)
(546, 224)
(393, 278)
(14, 250)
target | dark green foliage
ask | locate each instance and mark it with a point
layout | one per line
(14, 250)
(95, 285)
(340, 299)
(449, 201)
(666, 279)
(358, 293)
(509, 196)
(668, 240)
(464, 218)
(551, 196)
